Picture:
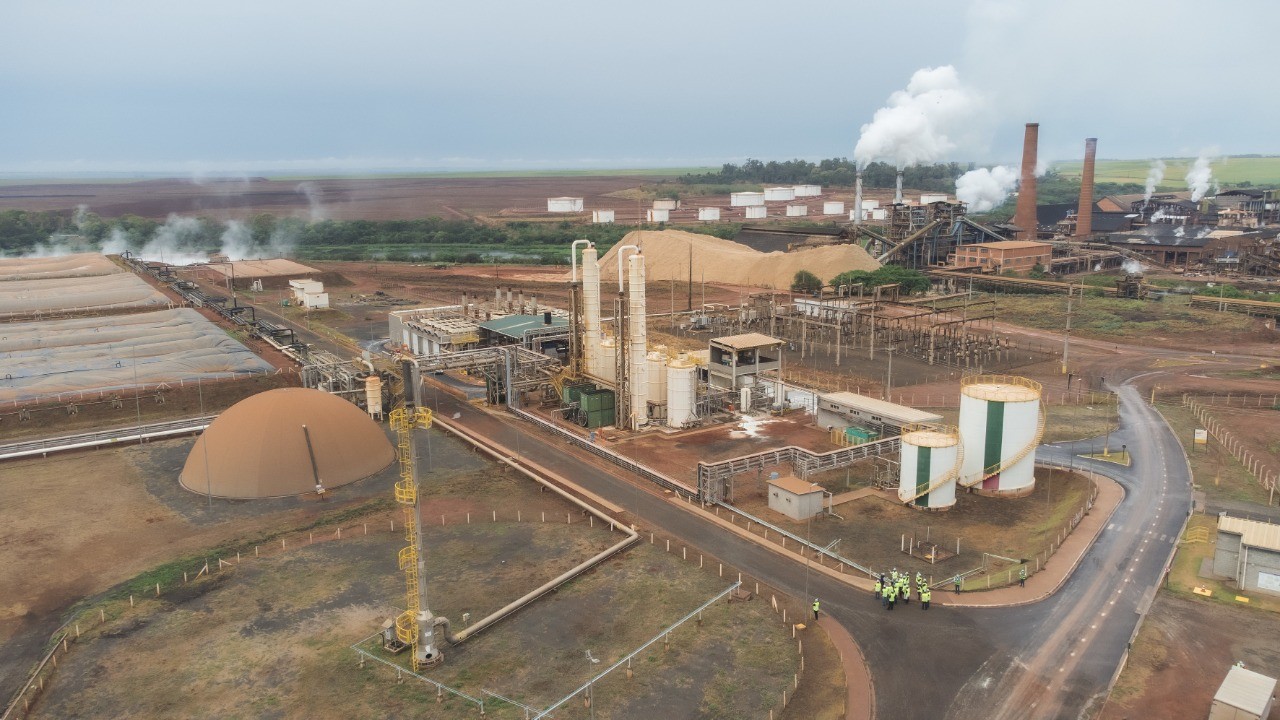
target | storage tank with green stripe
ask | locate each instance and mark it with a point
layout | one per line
(999, 431)
(929, 467)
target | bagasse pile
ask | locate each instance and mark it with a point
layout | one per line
(717, 260)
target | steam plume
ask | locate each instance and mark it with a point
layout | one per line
(1154, 176)
(315, 200)
(984, 189)
(1200, 176)
(915, 124)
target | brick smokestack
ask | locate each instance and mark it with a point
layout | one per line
(1084, 215)
(1025, 216)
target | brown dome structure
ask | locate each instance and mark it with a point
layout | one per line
(277, 443)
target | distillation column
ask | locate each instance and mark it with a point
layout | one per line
(639, 342)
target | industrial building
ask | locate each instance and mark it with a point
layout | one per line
(1243, 695)
(843, 409)
(795, 498)
(309, 294)
(737, 360)
(1248, 552)
(1020, 256)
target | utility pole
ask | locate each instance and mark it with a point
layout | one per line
(690, 308)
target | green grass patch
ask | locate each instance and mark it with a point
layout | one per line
(1256, 170)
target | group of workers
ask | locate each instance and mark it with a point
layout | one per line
(897, 586)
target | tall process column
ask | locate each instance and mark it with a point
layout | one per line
(591, 311)
(639, 342)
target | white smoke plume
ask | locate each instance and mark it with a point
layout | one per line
(284, 238)
(916, 124)
(1133, 267)
(1200, 176)
(1154, 176)
(986, 188)
(175, 242)
(115, 243)
(237, 242)
(1157, 215)
(81, 214)
(315, 200)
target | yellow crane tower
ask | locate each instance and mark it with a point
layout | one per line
(416, 625)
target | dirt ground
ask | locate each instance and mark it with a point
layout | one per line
(75, 524)
(1184, 651)
(870, 529)
(337, 198)
(271, 638)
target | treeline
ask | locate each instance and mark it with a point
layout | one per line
(940, 177)
(25, 232)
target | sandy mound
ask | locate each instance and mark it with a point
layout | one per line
(63, 266)
(724, 261)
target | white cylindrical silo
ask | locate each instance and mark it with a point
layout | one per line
(607, 361)
(591, 310)
(1000, 426)
(682, 387)
(928, 468)
(656, 366)
(638, 339)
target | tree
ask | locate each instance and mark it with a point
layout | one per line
(806, 282)
(910, 281)
(1037, 272)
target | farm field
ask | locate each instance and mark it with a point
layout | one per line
(1228, 171)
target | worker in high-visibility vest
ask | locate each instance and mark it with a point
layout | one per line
(893, 595)
(957, 580)
(884, 595)
(925, 595)
(1022, 576)
(876, 589)
(906, 593)
(815, 609)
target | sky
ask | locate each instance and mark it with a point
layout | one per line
(244, 86)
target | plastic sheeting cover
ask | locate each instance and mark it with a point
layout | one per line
(56, 294)
(62, 266)
(49, 357)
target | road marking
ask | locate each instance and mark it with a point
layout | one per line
(1112, 526)
(1164, 538)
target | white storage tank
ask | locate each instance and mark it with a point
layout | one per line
(656, 365)
(807, 190)
(682, 388)
(746, 199)
(797, 210)
(564, 204)
(656, 215)
(779, 194)
(756, 213)
(666, 204)
(833, 208)
(601, 216)
(929, 467)
(606, 361)
(1000, 427)
(709, 213)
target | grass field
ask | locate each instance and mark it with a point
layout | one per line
(1157, 323)
(1228, 171)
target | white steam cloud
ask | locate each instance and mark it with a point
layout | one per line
(1133, 267)
(1200, 176)
(916, 125)
(176, 242)
(315, 200)
(985, 189)
(1154, 176)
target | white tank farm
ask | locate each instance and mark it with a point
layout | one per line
(999, 428)
(656, 363)
(682, 388)
(928, 468)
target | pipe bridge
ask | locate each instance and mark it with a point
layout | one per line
(712, 477)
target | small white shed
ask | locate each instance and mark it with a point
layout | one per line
(601, 216)
(780, 194)
(795, 498)
(756, 212)
(797, 210)
(746, 199)
(709, 213)
(656, 215)
(808, 190)
(833, 207)
(564, 204)
(666, 204)
(1243, 695)
(932, 198)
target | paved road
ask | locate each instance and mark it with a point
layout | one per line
(1050, 659)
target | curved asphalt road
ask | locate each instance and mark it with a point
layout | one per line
(1054, 658)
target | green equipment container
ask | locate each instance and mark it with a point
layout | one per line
(858, 435)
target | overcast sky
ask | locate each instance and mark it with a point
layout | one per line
(259, 85)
